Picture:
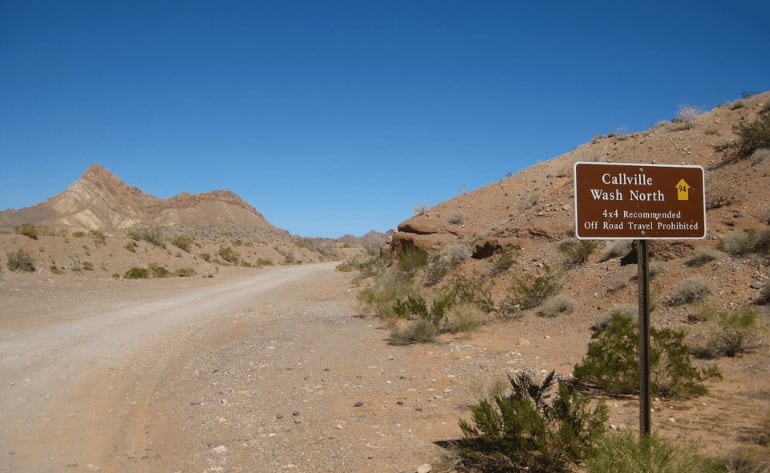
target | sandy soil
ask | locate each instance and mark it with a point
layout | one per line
(272, 370)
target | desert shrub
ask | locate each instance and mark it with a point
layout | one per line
(523, 431)
(420, 209)
(741, 243)
(764, 294)
(20, 260)
(576, 252)
(530, 293)
(731, 332)
(616, 249)
(263, 262)
(227, 254)
(687, 114)
(604, 321)
(205, 257)
(441, 264)
(131, 246)
(503, 261)
(381, 297)
(456, 218)
(464, 317)
(612, 361)
(752, 136)
(56, 270)
(99, 237)
(153, 235)
(137, 273)
(464, 290)
(420, 331)
(627, 452)
(702, 256)
(26, 229)
(88, 266)
(183, 242)
(159, 271)
(411, 259)
(184, 272)
(723, 193)
(78, 234)
(556, 305)
(690, 290)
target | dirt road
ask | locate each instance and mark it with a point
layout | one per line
(267, 371)
(271, 370)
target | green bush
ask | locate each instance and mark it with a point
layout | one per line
(732, 332)
(159, 271)
(752, 136)
(530, 293)
(381, 297)
(627, 452)
(411, 259)
(27, 230)
(523, 431)
(184, 272)
(227, 254)
(690, 290)
(183, 242)
(612, 361)
(205, 257)
(153, 235)
(137, 273)
(20, 260)
(576, 252)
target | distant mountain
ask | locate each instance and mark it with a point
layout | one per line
(99, 200)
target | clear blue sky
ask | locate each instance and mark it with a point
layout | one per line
(334, 117)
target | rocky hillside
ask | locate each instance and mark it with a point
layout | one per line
(537, 203)
(99, 200)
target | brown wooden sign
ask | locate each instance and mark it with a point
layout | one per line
(639, 201)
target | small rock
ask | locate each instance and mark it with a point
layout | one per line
(279, 416)
(426, 468)
(295, 413)
(358, 404)
(92, 467)
(219, 449)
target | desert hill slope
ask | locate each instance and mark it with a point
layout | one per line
(537, 202)
(99, 200)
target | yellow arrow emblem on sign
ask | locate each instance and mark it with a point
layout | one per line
(682, 190)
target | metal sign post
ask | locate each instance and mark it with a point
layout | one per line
(640, 202)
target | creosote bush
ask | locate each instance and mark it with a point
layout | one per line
(528, 293)
(732, 332)
(153, 235)
(532, 429)
(27, 230)
(576, 252)
(612, 361)
(627, 452)
(20, 260)
(137, 273)
(227, 254)
(183, 242)
(752, 136)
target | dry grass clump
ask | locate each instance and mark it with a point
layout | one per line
(557, 305)
(702, 256)
(690, 290)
